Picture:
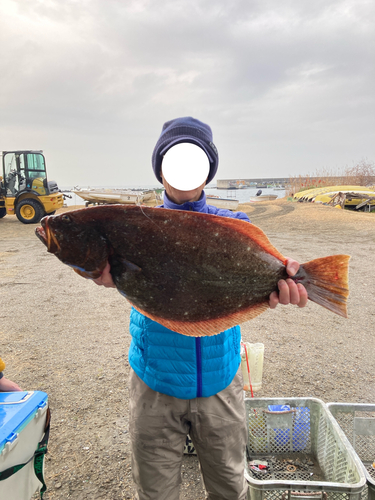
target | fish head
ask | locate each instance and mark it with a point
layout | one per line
(76, 241)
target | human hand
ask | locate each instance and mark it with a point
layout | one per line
(7, 385)
(105, 278)
(289, 291)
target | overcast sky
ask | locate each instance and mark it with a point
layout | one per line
(287, 86)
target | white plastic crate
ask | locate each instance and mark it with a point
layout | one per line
(303, 450)
(357, 421)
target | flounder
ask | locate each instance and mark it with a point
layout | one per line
(196, 274)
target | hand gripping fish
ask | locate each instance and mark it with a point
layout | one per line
(196, 274)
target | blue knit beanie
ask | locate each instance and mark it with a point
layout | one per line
(186, 129)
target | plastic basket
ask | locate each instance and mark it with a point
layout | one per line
(299, 452)
(357, 421)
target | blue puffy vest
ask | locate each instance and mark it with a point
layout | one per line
(181, 366)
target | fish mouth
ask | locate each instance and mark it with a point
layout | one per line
(46, 236)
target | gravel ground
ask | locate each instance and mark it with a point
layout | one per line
(64, 335)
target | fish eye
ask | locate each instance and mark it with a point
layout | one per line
(66, 218)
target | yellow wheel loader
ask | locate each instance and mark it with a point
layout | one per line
(24, 188)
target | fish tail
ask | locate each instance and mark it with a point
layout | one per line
(326, 281)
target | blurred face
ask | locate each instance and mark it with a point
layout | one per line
(180, 197)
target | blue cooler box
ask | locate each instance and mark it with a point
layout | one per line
(22, 424)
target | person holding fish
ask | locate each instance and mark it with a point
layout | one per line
(192, 273)
(182, 384)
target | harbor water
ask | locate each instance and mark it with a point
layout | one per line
(242, 195)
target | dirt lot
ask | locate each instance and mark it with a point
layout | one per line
(62, 334)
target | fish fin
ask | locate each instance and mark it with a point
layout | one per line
(96, 273)
(209, 327)
(130, 267)
(92, 275)
(326, 281)
(254, 233)
(122, 269)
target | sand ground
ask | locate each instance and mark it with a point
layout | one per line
(62, 334)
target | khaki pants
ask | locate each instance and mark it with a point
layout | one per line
(158, 428)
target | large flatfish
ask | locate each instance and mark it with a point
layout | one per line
(195, 273)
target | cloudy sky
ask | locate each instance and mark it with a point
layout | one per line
(288, 86)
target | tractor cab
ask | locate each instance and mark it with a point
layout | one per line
(25, 189)
(26, 170)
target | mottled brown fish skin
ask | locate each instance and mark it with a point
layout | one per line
(193, 269)
(175, 266)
